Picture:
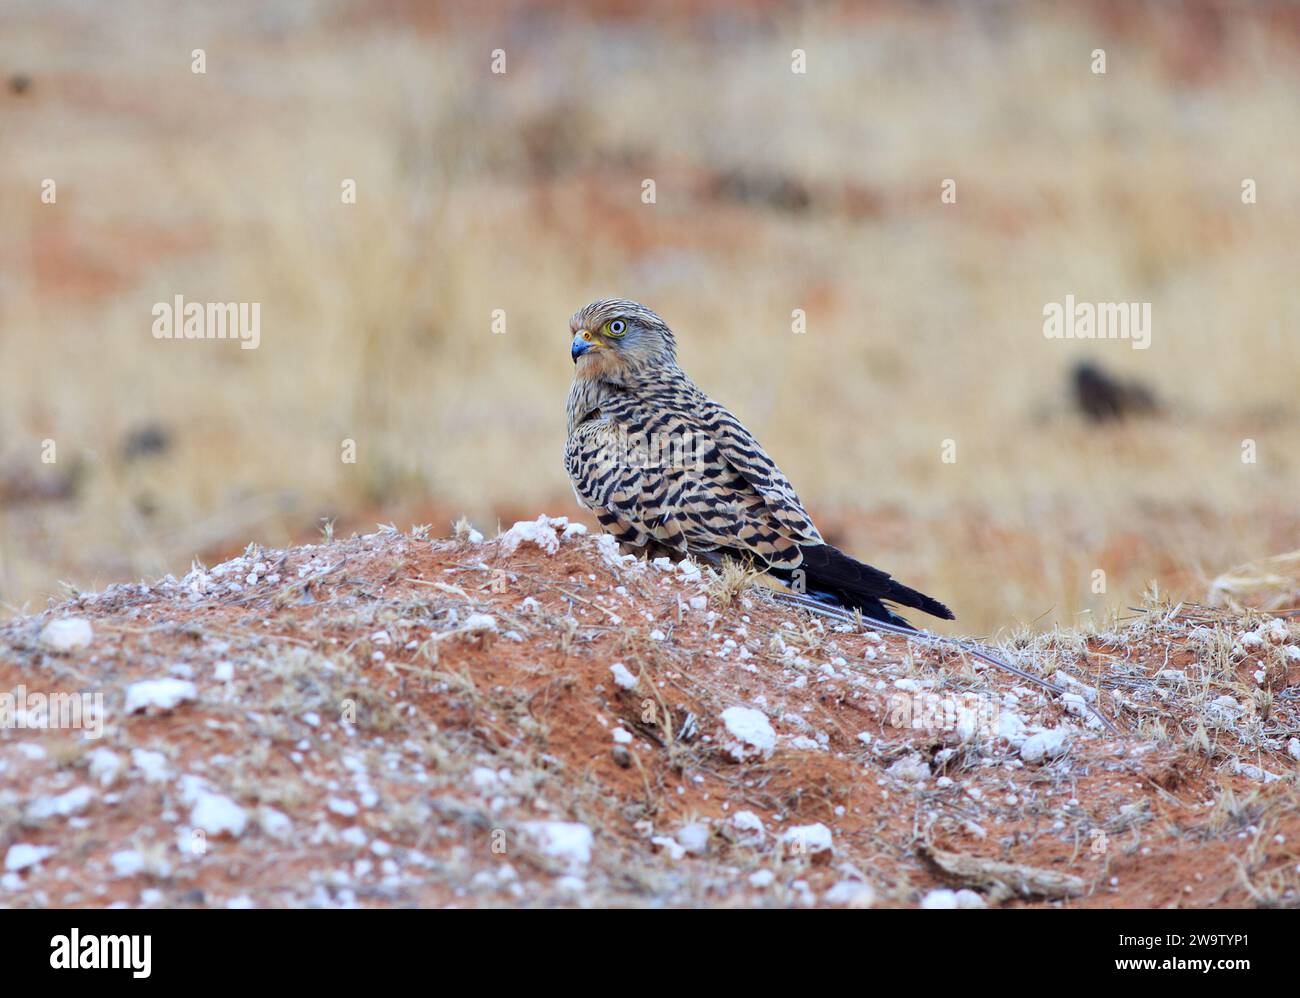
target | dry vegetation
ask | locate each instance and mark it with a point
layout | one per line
(536, 720)
(522, 193)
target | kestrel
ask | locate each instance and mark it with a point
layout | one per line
(669, 471)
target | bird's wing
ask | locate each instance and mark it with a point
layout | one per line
(705, 486)
(737, 447)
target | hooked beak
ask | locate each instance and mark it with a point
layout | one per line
(583, 340)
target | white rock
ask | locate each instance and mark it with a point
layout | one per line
(105, 766)
(67, 634)
(1222, 711)
(850, 894)
(1067, 681)
(541, 532)
(64, 805)
(24, 855)
(761, 879)
(126, 862)
(152, 764)
(217, 815)
(480, 622)
(809, 840)
(944, 898)
(342, 806)
(911, 769)
(751, 734)
(164, 694)
(1011, 726)
(623, 679)
(1255, 772)
(354, 836)
(568, 841)
(694, 838)
(1045, 745)
(670, 845)
(484, 778)
(607, 544)
(275, 823)
(747, 828)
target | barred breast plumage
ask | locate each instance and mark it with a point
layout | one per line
(667, 470)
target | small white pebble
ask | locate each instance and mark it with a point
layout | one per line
(66, 635)
(622, 677)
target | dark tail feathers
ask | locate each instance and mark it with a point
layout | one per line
(829, 572)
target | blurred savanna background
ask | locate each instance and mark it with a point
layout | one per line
(519, 196)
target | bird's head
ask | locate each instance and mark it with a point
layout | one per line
(614, 339)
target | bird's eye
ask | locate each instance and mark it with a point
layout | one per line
(615, 327)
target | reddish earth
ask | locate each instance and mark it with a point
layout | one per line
(392, 720)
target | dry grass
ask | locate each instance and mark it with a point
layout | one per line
(522, 193)
(1267, 584)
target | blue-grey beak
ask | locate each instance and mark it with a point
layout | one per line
(582, 342)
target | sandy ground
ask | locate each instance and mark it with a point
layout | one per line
(536, 720)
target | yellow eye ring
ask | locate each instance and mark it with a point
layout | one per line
(615, 328)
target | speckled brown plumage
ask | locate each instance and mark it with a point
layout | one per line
(667, 470)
